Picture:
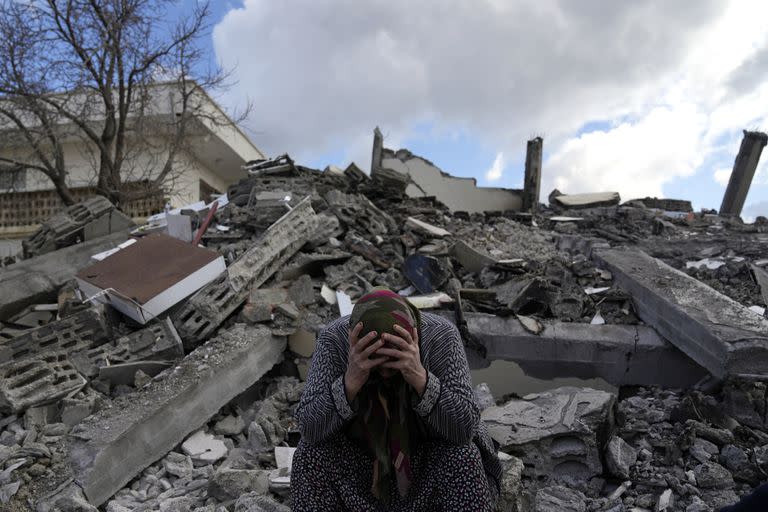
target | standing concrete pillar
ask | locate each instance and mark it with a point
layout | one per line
(532, 184)
(378, 146)
(743, 171)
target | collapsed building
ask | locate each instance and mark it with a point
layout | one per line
(158, 367)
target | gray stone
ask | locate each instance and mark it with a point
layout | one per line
(139, 428)
(717, 332)
(511, 485)
(74, 411)
(229, 484)
(738, 463)
(483, 396)
(204, 447)
(711, 475)
(70, 499)
(703, 450)
(697, 505)
(557, 433)
(620, 457)
(255, 502)
(229, 426)
(178, 504)
(560, 499)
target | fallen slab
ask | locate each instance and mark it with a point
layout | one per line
(557, 198)
(111, 447)
(557, 434)
(620, 354)
(36, 281)
(717, 332)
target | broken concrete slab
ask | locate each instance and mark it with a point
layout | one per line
(109, 448)
(761, 276)
(558, 433)
(204, 448)
(717, 332)
(85, 330)
(37, 280)
(470, 258)
(557, 198)
(357, 211)
(125, 373)
(620, 354)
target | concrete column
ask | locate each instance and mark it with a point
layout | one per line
(532, 185)
(378, 146)
(743, 171)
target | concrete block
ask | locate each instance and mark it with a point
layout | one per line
(205, 311)
(37, 280)
(204, 448)
(621, 354)
(558, 433)
(111, 447)
(281, 241)
(157, 342)
(80, 332)
(717, 332)
(37, 380)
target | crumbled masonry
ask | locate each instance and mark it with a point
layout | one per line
(661, 307)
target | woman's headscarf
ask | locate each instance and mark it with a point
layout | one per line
(386, 423)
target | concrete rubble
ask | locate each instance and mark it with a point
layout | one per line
(661, 306)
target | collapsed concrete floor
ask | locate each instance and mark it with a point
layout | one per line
(194, 411)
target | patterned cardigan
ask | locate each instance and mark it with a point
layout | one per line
(448, 406)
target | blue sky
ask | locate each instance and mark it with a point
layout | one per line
(647, 99)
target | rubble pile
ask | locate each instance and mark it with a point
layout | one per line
(188, 404)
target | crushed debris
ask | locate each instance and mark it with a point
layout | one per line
(190, 407)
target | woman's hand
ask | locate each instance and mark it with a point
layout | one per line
(406, 358)
(359, 363)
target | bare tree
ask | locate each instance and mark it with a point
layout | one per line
(113, 75)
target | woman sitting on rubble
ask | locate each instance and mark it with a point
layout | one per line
(388, 417)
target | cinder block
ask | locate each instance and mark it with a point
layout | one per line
(36, 381)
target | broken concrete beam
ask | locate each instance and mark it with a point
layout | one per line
(111, 447)
(82, 331)
(425, 228)
(37, 280)
(670, 205)
(38, 380)
(557, 434)
(532, 181)
(378, 147)
(158, 342)
(743, 171)
(623, 355)
(717, 332)
(557, 198)
(761, 276)
(281, 241)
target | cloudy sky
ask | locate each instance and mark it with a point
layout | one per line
(643, 97)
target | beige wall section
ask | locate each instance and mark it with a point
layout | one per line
(187, 187)
(458, 194)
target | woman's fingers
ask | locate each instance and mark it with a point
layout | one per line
(390, 352)
(369, 364)
(365, 341)
(373, 347)
(354, 333)
(404, 333)
(396, 340)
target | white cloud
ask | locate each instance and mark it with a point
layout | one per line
(722, 176)
(323, 73)
(633, 158)
(497, 169)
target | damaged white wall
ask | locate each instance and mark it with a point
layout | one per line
(458, 194)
